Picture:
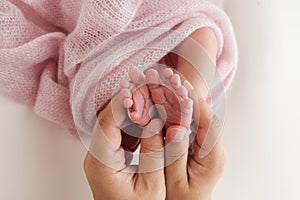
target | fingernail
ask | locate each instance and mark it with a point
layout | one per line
(180, 135)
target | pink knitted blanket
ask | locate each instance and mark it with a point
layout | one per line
(66, 57)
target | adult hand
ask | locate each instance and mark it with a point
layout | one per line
(185, 177)
(194, 176)
(107, 174)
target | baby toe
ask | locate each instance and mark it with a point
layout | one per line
(182, 92)
(188, 104)
(187, 109)
(152, 76)
(126, 93)
(136, 75)
(134, 116)
(128, 102)
(189, 88)
(175, 81)
(188, 85)
(168, 72)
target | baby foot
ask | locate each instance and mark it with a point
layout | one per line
(137, 97)
(170, 98)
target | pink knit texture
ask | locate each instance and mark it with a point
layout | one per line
(66, 57)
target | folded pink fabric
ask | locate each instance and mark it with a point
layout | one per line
(66, 57)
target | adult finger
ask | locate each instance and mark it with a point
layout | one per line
(209, 130)
(176, 153)
(209, 152)
(151, 160)
(106, 138)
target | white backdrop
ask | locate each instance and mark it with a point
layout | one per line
(39, 161)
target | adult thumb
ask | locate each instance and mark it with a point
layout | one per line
(106, 140)
(176, 155)
(151, 158)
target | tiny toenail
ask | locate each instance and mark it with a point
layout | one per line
(168, 72)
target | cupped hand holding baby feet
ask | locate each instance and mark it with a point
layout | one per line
(194, 176)
(105, 165)
(186, 177)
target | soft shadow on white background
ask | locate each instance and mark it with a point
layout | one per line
(41, 161)
(262, 129)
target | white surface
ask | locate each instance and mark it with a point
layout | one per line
(262, 129)
(40, 162)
